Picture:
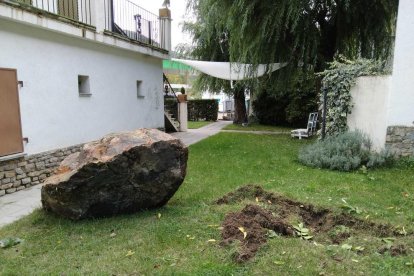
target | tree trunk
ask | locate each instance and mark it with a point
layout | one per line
(240, 115)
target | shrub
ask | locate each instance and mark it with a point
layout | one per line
(406, 162)
(287, 104)
(270, 109)
(202, 110)
(345, 152)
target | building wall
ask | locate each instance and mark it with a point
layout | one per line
(401, 99)
(53, 114)
(369, 115)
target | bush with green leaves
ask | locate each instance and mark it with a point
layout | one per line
(288, 103)
(337, 82)
(345, 152)
(204, 110)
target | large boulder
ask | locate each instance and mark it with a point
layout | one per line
(121, 173)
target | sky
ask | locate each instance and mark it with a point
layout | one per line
(178, 11)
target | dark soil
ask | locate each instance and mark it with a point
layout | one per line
(395, 250)
(340, 237)
(256, 221)
(276, 213)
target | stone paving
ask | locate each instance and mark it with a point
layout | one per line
(193, 136)
(17, 205)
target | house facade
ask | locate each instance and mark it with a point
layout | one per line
(384, 106)
(72, 71)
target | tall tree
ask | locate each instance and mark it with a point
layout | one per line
(308, 32)
(211, 43)
(305, 33)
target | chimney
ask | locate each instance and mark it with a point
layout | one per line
(165, 28)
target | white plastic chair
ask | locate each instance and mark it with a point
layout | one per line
(310, 130)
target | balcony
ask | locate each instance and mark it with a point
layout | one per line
(130, 20)
(72, 10)
(120, 18)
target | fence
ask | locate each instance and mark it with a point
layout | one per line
(128, 19)
(121, 16)
(78, 10)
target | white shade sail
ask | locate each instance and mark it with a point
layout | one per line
(230, 70)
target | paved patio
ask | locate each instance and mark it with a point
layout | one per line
(17, 205)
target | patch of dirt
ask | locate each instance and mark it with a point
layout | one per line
(255, 222)
(340, 237)
(276, 213)
(395, 250)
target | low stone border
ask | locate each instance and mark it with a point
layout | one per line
(400, 140)
(24, 172)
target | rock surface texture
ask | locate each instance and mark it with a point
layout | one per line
(121, 173)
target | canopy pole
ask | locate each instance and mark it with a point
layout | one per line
(324, 108)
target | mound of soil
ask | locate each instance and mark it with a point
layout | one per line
(255, 222)
(276, 214)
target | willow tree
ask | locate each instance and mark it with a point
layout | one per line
(305, 33)
(308, 32)
(211, 43)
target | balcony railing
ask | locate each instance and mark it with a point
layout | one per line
(77, 10)
(130, 20)
(122, 17)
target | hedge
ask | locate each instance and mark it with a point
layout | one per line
(202, 110)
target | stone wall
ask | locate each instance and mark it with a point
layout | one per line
(21, 173)
(400, 140)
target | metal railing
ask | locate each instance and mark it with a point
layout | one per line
(170, 99)
(168, 90)
(77, 10)
(123, 17)
(130, 20)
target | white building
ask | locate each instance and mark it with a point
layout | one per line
(85, 68)
(384, 106)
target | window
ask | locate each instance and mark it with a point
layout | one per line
(84, 86)
(140, 92)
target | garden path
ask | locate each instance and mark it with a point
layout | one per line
(260, 132)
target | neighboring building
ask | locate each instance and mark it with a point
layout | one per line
(72, 71)
(384, 106)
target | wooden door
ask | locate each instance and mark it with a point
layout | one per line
(68, 8)
(11, 140)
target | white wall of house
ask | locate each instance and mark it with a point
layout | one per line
(369, 115)
(401, 98)
(52, 112)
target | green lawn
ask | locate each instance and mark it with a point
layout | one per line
(198, 124)
(177, 242)
(258, 127)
